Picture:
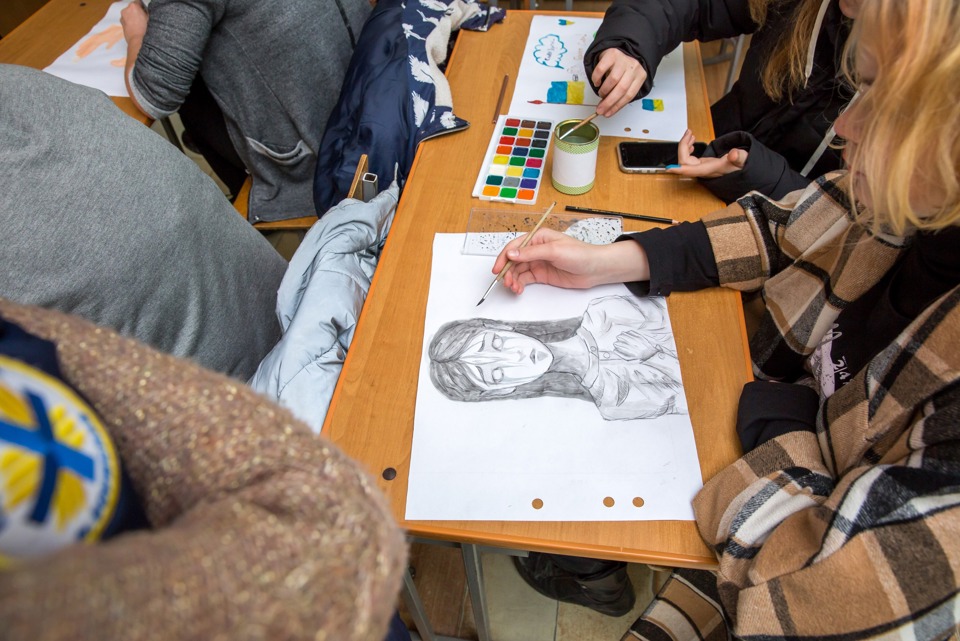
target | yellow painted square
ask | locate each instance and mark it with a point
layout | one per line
(514, 171)
(575, 92)
(501, 160)
(525, 133)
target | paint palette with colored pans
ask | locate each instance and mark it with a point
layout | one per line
(514, 165)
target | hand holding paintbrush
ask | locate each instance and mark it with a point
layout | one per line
(527, 239)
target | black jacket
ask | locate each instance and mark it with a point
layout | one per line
(649, 29)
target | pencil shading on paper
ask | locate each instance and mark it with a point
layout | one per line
(489, 460)
(619, 355)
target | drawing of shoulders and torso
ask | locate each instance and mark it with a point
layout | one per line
(633, 370)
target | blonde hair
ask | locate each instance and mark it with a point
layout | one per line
(908, 119)
(785, 70)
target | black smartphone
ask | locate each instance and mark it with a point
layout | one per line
(651, 157)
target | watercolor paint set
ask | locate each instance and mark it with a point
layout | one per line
(514, 165)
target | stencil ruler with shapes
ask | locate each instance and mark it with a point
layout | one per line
(488, 230)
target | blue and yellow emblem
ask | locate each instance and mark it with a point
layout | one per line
(59, 473)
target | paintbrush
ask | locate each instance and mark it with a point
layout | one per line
(503, 272)
(578, 125)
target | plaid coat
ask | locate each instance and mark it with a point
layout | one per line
(853, 531)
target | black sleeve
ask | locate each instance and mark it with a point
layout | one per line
(768, 410)
(650, 29)
(766, 171)
(681, 259)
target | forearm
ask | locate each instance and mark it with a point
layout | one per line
(650, 29)
(800, 548)
(679, 258)
(765, 170)
(133, 50)
(169, 48)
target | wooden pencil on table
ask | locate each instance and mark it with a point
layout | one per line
(606, 212)
(503, 91)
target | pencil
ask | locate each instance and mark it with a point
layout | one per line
(578, 125)
(649, 219)
(503, 272)
(503, 90)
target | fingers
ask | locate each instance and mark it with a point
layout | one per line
(704, 168)
(509, 250)
(737, 158)
(133, 20)
(619, 78)
(685, 149)
(604, 63)
(518, 277)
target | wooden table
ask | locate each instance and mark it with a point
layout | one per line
(56, 27)
(371, 414)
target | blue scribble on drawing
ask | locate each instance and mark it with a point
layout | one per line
(549, 51)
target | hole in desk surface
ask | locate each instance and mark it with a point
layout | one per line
(389, 474)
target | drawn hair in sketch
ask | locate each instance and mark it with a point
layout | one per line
(618, 355)
(449, 373)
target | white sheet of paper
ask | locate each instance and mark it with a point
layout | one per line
(554, 53)
(97, 60)
(489, 460)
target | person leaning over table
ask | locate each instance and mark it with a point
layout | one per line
(274, 67)
(841, 519)
(775, 124)
(147, 498)
(104, 219)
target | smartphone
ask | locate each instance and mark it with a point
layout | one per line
(651, 157)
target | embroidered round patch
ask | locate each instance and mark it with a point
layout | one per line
(59, 472)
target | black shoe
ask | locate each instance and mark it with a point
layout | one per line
(608, 591)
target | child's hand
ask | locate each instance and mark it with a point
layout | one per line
(694, 167)
(134, 20)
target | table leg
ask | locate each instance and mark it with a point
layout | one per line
(171, 132)
(411, 599)
(478, 597)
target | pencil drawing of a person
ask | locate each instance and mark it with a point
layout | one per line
(619, 355)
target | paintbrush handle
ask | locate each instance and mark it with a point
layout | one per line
(527, 239)
(578, 125)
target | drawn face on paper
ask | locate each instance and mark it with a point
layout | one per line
(501, 359)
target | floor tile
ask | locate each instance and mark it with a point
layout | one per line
(577, 623)
(516, 611)
(442, 585)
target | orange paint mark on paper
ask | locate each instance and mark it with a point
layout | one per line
(108, 37)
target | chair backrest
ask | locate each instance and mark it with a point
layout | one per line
(297, 224)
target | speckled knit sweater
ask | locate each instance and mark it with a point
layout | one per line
(261, 529)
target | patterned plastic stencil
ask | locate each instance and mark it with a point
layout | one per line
(488, 230)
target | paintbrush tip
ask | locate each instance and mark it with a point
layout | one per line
(481, 300)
